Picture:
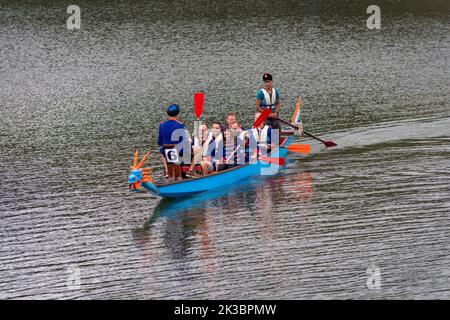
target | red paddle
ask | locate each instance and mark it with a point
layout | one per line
(263, 117)
(299, 148)
(199, 99)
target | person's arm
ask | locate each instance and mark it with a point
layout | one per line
(259, 97)
(277, 109)
(160, 142)
(258, 106)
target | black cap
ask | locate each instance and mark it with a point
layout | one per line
(267, 77)
(173, 110)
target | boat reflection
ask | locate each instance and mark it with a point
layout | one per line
(258, 196)
(192, 234)
(226, 197)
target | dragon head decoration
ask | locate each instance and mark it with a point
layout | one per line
(139, 175)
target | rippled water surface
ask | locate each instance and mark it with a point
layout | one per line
(75, 104)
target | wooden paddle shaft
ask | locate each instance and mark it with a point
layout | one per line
(289, 124)
(308, 134)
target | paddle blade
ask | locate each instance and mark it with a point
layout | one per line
(263, 117)
(327, 144)
(199, 99)
(299, 148)
(296, 112)
(330, 144)
(277, 161)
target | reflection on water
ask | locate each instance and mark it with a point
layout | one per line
(190, 225)
(259, 191)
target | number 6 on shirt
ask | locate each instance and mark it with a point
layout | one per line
(172, 156)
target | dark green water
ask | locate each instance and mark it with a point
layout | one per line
(75, 104)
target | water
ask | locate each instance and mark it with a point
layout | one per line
(75, 104)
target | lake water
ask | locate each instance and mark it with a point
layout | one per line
(75, 104)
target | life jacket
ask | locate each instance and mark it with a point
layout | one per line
(218, 144)
(196, 142)
(242, 135)
(242, 153)
(260, 135)
(269, 99)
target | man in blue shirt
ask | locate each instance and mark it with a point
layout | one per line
(269, 97)
(166, 129)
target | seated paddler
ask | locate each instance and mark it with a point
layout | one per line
(171, 134)
(197, 151)
(229, 146)
(231, 122)
(234, 146)
(213, 149)
(260, 140)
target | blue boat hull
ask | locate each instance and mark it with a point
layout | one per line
(190, 187)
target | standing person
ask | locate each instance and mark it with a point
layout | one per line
(269, 97)
(165, 132)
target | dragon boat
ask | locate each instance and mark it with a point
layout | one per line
(141, 178)
(192, 186)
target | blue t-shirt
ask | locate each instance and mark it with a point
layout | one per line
(260, 96)
(166, 129)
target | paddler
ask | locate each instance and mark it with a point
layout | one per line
(166, 129)
(213, 149)
(260, 139)
(269, 97)
(234, 137)
(230, 118)
(231, 133)
(197, 150)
